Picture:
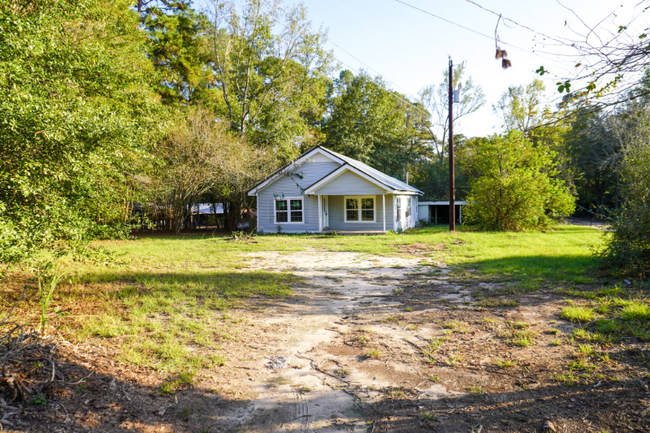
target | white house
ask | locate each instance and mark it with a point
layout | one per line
(323, 190)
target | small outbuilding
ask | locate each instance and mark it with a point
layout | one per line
(323, 191)
(437, 212)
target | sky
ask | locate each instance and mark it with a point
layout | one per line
(410, 48)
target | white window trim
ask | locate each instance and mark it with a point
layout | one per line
(275, 211)
(398, 209)
(359, 197)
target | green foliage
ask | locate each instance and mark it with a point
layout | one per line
(76, 115)
(368, 123)
(628, 247)
(516, 189)
(519, 107)
(435, 99)
(267, 82)
(48, 277)
(578, 314)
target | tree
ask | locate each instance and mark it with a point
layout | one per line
(611, 57)
(77, 114)
(519, 107)
(515, 188)
(435, 99)
(368, 122)
(200, 157)
(178, 48)
(269, 72)
(628, 247)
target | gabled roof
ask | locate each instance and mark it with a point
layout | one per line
(279, 172)
(395, 184)
(390, 184)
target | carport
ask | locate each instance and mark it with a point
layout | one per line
(437, 212)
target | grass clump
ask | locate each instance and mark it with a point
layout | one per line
(372, 354)
(578, 314)
(476, 389)
(496, 302)
(635, 311)
(505, 364)
(517, 337)
(428, 416)
(455, 327)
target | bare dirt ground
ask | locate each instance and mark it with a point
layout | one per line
(368, 344)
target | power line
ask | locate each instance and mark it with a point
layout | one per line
(411, 103)
(472, 30)
(515, 22)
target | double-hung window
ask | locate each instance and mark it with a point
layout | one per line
(408, 206)
(289, 210)
(398, 208)
(359, 209)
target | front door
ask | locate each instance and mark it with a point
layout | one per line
(326, 220)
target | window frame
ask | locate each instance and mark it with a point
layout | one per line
(288, 200)
(359, 198)
(398, 208)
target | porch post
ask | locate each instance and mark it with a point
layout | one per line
(383, 209)
(320, 214)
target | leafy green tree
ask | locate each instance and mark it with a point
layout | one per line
(178, 48)
(368, 122)
(76, 115)
(269, 72)
(519, 107)
(200, 157)
(628, 246)
(515, 188)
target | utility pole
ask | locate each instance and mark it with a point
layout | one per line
(452, 176)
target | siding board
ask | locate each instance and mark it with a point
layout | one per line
(349, 183)
(286, 186)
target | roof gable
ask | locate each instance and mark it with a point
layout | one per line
(315, 154)
(322, 154)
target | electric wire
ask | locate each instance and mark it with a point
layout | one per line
(515, 22)
(410, 103)
(476, 32)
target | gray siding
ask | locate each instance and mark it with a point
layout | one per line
(287, 186)
(337, 217)
(351, 184)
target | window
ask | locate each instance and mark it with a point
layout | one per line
(359, 209)
(408, 206)
(289, 210)
(398, 208)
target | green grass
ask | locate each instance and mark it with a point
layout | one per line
(372, 354)
(170, 302)
(578, 314)
(505, 364)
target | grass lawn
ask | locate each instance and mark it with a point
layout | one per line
(170, 302)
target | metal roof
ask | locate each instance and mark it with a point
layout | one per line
(382, 177)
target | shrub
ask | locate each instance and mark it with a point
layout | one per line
(515, 188)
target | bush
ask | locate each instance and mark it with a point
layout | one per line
(515, 188)
(627, 251)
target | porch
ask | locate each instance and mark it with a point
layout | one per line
(353, 232)
(355, 214)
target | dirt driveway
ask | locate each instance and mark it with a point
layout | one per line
(379, 344)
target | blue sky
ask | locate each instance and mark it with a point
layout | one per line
(411, 49)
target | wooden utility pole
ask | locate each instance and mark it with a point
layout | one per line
(452, 176)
